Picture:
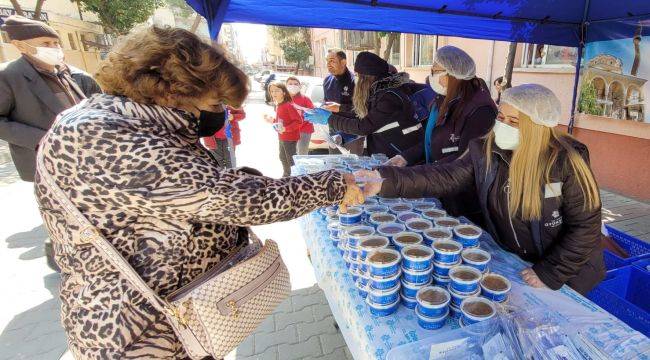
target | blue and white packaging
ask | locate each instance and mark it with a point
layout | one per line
(417, 277)
(416, 257)
(352, 216)
(384, 262)
(405, 216)
(446, 222)
(476, 258)
(419, 225)
(468, 235)
(410, 290)
(372, 243)
(477, 309)
(389, 230)
(447, 251)
(385, 282)
(381, 310)
(495, 287)
(406, 238)
(379, 218)
(464, 279)
(409, 302)
(430, 323)
(433, 301)
(442, 269)
(457, 299)
(436, 234)
(383, 296)
(400, 207)
(356, 233)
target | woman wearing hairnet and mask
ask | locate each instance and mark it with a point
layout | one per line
(537, 194)
(461, 111)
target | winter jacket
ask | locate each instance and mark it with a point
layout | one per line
(564, 245)
(302, 100)
(451, 136)
(291, 119)
(237, 116)
(391, 125)
(28, 107)
(139, 174)
(339, 89)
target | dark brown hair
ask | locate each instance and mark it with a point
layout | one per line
(280, 85)
(465, 89)
(170, 67)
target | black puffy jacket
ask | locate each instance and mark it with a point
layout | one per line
(564, 245)
(391, 125)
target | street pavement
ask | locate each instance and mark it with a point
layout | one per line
(301, 328)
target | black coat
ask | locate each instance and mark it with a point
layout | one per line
(564, 245)
(388, 105)
(28, 108)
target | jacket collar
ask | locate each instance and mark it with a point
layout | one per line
(39, 87)
(173, 120)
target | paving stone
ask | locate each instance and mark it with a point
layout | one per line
(247, 347)
(284, 319)
(265, 340)
(304, 349)
(270, 354)
(285, 306)
(300, 302)
(267, 326)
(307, 330)
(331, 342)
(321, 311)
(341, 353)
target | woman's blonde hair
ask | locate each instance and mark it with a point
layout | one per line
(531, 165)
(361, 94)
(170, 67)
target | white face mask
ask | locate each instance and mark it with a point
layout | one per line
(50, 56)
(293, 89)
(506, 136)
(434, 82)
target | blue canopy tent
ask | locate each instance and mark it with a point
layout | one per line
(556, 22)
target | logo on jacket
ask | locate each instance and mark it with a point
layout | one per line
(556, 221)
(453, 138)
(345, 91)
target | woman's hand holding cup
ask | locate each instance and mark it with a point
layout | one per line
(353, 193)
(371, 180)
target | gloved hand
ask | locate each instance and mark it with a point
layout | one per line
(318, 116)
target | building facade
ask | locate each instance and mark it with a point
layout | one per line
(619, 143)
(83, 41)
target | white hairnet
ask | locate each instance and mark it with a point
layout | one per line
(536, 101)
(457, 63)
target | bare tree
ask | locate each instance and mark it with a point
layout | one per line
(196, 23)
(389, 45)
(38, 9)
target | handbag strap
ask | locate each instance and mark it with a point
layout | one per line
(88, 233)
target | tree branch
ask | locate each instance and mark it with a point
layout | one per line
(38, 9)
(16, 5)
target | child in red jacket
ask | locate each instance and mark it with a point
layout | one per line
(307, 128)
(287, 123)
(218, 143)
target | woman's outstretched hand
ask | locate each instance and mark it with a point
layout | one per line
(353, 194)
(371, 180)
(532, 279)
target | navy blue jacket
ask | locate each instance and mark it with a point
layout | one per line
(339, 89)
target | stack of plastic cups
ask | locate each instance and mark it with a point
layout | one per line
(334, 230)
(434, 214)
(464, 283)
(416, 259)
(477, 310)
(446, 222)
(446, 256)
(495, 287)
(476, 258)
(468, 235)
(383, 293)
(389, 201)
(354, 236)
(421, 207)
(405, 216)
(400, 207)
(367, 245)
(369, 210)
(432, 235)
(389, 230)
(418, 225)
(379, 218)
(432, 307)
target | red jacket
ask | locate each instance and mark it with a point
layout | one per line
(304, 101)
(238, 115)
(291, 119)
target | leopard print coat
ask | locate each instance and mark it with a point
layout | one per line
(138, 173)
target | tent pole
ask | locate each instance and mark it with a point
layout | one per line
(576, 79)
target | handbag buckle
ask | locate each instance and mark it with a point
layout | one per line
(175, 311)
(232, 305)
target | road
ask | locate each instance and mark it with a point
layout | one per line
(29, 319)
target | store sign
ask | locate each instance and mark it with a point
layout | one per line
(6, 12)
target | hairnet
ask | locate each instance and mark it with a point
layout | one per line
(457, 63)
(536, 101)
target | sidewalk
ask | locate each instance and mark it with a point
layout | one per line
(625, 214)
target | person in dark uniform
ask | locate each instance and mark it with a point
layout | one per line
(339, 88)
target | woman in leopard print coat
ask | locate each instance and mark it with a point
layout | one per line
(131, 162)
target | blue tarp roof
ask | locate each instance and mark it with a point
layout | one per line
(557, 22)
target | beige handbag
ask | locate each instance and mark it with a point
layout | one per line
(215, 312)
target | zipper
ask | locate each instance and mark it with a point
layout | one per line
(205, 277)
(231, 303)
(507, 190)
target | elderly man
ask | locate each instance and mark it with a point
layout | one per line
(35, 88)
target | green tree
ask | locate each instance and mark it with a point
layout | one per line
(588, 103)
(120, 16)
(295, 42)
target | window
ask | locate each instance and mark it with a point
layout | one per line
(395, 51)
(540, 55)
(423, 49)
(71, 40)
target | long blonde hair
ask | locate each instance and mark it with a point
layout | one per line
(531, 165)
(361, 94)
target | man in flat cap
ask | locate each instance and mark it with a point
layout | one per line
(35, 88)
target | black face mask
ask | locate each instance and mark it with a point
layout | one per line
(210, 122)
